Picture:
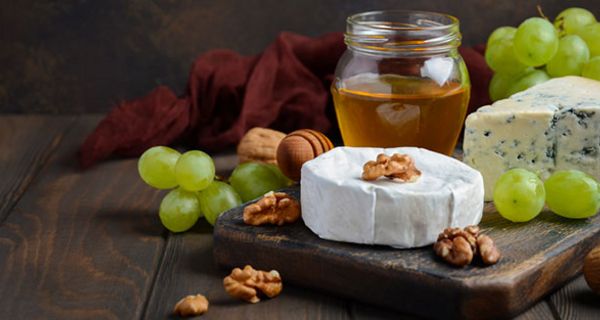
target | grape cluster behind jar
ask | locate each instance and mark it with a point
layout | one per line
(539, 50)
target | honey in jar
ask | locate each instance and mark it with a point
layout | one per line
(390, 110)
(401, 82)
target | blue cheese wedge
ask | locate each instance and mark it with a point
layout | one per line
(337, 204)
(552, 126)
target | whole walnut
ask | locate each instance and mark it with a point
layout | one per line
(591, 269)
(259, 145)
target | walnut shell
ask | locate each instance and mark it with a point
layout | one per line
(591, 269)
(259, 145)
(297, 148)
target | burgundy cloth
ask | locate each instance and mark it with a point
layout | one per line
(285, 88)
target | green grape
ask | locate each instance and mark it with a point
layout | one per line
(572, 20)
(179, 210)
(572, 194)
(527, 80)
(591, 35)
(282, 178)
(570, 58)
(194, 170)
(217, 198)
(501, 82)
(592, 69)
(252, 180)
(500, 34)
(499, 85)
(156, 167)
(500, 57)
(536, 42)
(519, 195)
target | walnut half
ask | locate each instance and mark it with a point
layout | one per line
(487, 250)
(192, 305)
(459, 246)
(244, 283)
(398, 166)
(273, 208)
(455, 246)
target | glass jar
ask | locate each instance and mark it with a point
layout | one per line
(401, 81)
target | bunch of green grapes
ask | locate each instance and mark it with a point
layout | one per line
(519, 195)
(538, 50)
(195, 192)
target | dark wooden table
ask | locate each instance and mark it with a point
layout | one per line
(89, 245)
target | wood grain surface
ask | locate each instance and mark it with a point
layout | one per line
(188, 268)
(538, 257)
(85, 56)
(80, 245)
(89, 245)
(577, 301)
(27, 143)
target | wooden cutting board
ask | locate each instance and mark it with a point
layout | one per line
(538, 257)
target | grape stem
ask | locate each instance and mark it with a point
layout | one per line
(541, 12)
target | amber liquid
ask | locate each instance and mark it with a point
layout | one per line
(395, 111)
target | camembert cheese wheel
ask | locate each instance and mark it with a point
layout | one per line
(338, 205)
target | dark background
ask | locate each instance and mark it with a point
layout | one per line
(78, 56)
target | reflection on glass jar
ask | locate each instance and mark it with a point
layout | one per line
(401, 82)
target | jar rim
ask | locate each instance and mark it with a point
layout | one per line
(402, 32)
(359, 18)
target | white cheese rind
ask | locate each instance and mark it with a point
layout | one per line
(552, 126)
(338, 205)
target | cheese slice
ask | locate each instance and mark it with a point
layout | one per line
(552, 126)
(338, 205)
